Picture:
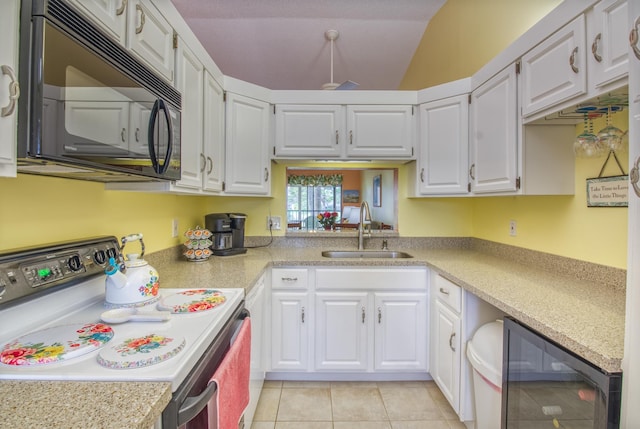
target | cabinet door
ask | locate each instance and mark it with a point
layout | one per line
(446, 353)
(213, 143)
(9, 87)
(151, 37)
(309, 130)
(341, 321)
(109, 15)
(630, 415)
(96, 127)
(555, 70)
(400, 327)
(247, 164)
(608, 36)
(190, 83)
(493, 134)
(380, 131)
(289, 330)
(443, 157)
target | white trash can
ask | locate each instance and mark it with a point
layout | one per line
(484, 351)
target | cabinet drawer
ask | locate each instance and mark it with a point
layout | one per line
(448, 292)
(289, 278)
(371, 278)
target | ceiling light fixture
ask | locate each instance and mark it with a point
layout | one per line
(331, 36)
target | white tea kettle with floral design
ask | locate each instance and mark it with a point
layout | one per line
(133, 283)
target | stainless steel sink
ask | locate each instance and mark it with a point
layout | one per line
(364, 254)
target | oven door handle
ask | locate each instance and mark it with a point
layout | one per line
(194, 404)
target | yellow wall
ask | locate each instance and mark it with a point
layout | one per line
(465, 34)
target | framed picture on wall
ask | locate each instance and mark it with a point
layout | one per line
(377, 190)
(350, 196)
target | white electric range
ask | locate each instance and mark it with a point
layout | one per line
(63, 285)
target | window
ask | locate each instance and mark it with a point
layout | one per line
(307, 196)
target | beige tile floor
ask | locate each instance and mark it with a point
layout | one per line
(353, 405)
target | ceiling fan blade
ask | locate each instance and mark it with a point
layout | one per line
(347, 85)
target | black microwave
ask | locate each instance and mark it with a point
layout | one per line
(92, 111)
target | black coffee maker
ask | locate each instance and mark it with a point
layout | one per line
(227, 231)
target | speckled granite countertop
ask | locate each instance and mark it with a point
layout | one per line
(580, 307)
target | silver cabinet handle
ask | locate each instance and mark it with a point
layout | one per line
(634, 176)
(337, 137)
(289, 279)
(14, 91)
(453, 335)
(122, 135)
(203, 163)
(633, 38)
(472, 171)
(363, 313)
(142, 18)
(444, 291)
(379, 315)
(422, 175)
(210, 162)
(350, 136)
(137, 134)
(302, 314)
(266, 174)
(594, 47)
(122, 8)
(572, 60)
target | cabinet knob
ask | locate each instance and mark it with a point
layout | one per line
(266, 174)
(572, 60)
(142, 19)
(379, 315)
(363, 314)
(123, 135)
(594, 47)
(122, 8)
(472, 171)
(203, 163)
(350, 136)
(422, 175)
(289, 279)
(634, 176)
(444, 291)
(302, 314)
(210, 163)
(337, 137)
(14, 91)
(453, 335)
(633, 38)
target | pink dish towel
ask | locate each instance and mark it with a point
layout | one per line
(232, 378)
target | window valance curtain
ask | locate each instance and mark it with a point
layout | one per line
(315, 180)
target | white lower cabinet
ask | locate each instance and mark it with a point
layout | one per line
(455, 316)
(255, 303)
(362, 321)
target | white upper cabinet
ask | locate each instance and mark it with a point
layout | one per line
(138, 26)
(151, 37)
(309, 130)
(247, 167)
(556, 69)
(110, 15)
(493, 134)
(335, 131)
(9, 89)
(443, 149)
(190, 83)
(607, 33)
(380, 131)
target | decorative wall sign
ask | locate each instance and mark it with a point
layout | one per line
(608, 191)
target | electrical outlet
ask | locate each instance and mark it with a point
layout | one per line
(274, 222)
(174, 228)
(512, 228)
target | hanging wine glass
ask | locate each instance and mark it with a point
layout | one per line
(587, 144)
(611, 137)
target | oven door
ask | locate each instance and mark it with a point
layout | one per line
(191, 404)
(545, 385)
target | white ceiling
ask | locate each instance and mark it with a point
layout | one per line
(280, 44)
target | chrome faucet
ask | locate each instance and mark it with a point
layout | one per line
(365, 214)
